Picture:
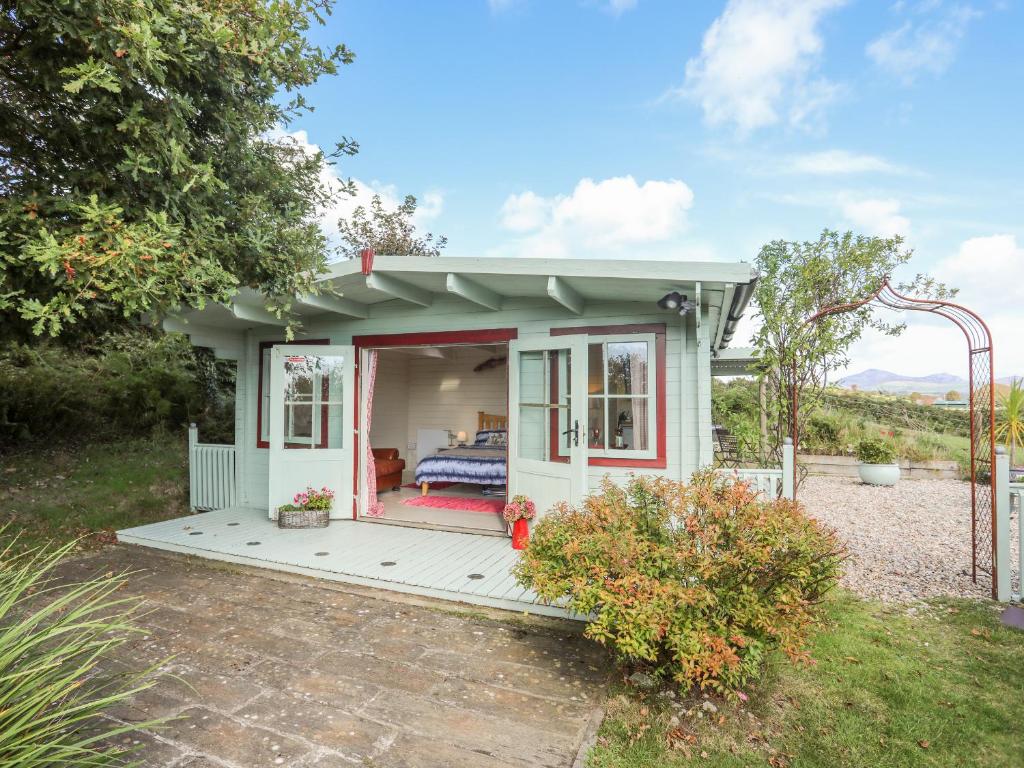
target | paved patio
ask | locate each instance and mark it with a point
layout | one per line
(274, 669)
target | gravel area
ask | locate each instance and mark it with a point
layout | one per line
(906, 543)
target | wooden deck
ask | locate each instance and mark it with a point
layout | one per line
(463, 567)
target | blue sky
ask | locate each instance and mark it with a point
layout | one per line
(700, 130)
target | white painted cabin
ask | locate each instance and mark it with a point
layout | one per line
(596, 380)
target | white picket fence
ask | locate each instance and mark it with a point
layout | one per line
(773, 482)
(211, 474)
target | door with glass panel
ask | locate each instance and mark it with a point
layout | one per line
(311, 432)
(547, 420)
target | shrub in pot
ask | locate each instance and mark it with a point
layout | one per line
(696, 582)
(877, 462)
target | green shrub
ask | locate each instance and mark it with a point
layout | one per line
(54, 684)
(697, 582)
(874, 450)
(125, 384)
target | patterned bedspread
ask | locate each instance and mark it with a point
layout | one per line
(482, 464)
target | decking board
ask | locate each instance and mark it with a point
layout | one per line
(427, 562)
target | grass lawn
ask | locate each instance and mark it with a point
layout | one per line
(942, 685)
(70, 492)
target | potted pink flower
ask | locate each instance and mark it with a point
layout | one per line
(518, 513)
(311, 509)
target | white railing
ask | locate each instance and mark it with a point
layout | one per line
(1008, 495)
(774, 482)
(211, 474)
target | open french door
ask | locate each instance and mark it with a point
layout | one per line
(312, 438)
(547, 454)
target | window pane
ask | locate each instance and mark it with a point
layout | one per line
(595, 369)
(313, 401)
(298, 424)
(544, 395)
(595, 422)
(627, 423)
(627, 367)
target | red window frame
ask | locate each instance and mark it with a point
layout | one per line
(264, 348)
(660, 385)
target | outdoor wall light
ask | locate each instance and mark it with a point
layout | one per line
(677, 301)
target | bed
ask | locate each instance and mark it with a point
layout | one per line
(484, 462)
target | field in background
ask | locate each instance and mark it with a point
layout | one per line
(843, 419)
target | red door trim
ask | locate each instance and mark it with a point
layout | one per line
(421, 339)
(265, 346)
(660, 383)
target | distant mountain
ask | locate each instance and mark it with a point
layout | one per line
(875, 379)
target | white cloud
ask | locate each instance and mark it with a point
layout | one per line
(927, 43)
(876, 216)
(985, 269)
(525, 212)
(836, 162)
(757, 62)
(610, 217)
(430, 203)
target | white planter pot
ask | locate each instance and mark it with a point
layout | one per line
(879, 474)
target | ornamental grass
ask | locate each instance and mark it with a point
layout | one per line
(692, 582)
(55, 683)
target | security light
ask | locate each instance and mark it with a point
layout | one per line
(671, 300)
(678, 302)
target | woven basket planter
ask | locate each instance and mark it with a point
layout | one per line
(302, 518)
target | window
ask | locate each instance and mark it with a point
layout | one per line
(313, 401)
(621, 414)
(626, 394)
(263, 389)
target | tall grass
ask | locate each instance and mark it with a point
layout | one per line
(56, 640)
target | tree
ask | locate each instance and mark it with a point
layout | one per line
(138, 171)
(1010, 419)
(953, 395)
(387, 231)
(796, 281)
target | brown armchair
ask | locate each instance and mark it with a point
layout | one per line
(388, 468)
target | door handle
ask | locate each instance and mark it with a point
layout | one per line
(575, 431)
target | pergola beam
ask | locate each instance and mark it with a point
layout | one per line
(473, 292)
(565, 294)
(399, 289)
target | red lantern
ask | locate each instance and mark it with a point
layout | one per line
(520, 533)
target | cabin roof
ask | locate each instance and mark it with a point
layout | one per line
(570, 284)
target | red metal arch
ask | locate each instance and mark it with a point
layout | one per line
(981, 410)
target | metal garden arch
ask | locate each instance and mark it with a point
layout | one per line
(981, 405)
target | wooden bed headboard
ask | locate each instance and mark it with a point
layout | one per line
(490, 421)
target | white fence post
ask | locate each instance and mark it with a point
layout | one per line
(788, 465)
(1002, 512)
(193, 440)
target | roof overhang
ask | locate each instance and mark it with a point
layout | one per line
(737, 361)
(489, 284)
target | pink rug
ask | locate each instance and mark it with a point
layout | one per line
(460, 503)
(433, 486)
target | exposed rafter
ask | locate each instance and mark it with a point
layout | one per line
(473, 291)
(258, 315)
(399, 289)
(565, 294)
(335, 304)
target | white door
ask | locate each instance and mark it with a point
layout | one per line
(311, 431)
(547, 453)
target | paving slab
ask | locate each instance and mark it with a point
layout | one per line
(265, 669)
